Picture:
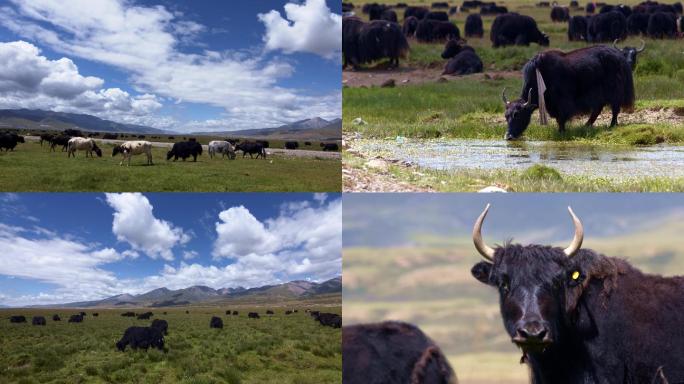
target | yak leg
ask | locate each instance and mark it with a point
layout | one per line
(561, 124)
(615, 109)
(593, 116)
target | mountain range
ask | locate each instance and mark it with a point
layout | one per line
(199, 294)
(34, 119)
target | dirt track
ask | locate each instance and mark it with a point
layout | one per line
(269, 151)
(412, 76)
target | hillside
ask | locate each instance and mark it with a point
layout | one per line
(198, 294)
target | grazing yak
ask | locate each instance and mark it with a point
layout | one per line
(328, 319)
(473, 26)
(184, 149)
(96, 314)
(17, 319)
(251, 148)
(392, 352)
(439, 15)
(291, 145)
(235, 313)
(560, 14)
(141, 337)
(577, 28)
(637, 23)
(630, 53)
(130, 148)
(145, 316)
(435, 30)
(161, 325)
(606, 27)
(368, 42)
(662, 25)
(62, 140)
(216, 322)
(83, 144)
(418, 12)
(270, 312)
(515, 29)
(583, 317)
(582, 81)
(76, 318)
(56, 318)
(223, 147)
(389, 15)
(288, 312)
(462, 59)
(38, 320)
(253, 315)
(410, 26)
(128, 314)
(330, 147)
(492, 9)
(8, 141)
(590, 8)
(46, 137)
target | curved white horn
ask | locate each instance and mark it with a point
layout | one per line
(485, 250)
(643, 46)
(578, 238)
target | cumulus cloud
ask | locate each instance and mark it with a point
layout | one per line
(135, 224)
(30, 80)
(105, 31)
(310, 27)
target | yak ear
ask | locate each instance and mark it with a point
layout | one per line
(481, 272)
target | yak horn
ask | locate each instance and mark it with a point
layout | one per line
(615, 43)
(503, 97)
(485, 250)
(643, 46)
(529, 98)
(578, 238)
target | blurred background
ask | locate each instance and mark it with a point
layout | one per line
(408, 257)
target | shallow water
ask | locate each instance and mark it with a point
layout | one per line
(616, 162)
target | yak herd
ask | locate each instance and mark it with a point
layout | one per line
(577, 316)
(73, 140)
(153, 336)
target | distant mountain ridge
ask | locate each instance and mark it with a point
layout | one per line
(34, 119)
(198, 294)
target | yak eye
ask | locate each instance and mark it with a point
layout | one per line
(505, 285)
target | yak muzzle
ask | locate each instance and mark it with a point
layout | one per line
(533, 335)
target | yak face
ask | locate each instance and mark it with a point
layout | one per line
(544, 40)
(452, 48)
(117, 149)
(518, 115)
(630, 53)
(169, 154)
(98, 151)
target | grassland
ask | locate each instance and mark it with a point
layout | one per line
(429, 283)
(31, 167)
(274, 349)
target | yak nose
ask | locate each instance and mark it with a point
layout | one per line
(532, 332)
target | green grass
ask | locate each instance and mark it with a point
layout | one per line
(31, 167)
(274, 349)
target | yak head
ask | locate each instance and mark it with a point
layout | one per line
(97, 150)
(452, 48)
(518, 114)
(539, 286)
(630, 53)
(117, 149)
(169, 154)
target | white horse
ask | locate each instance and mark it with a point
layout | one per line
(130, 148)
(83, 144)
(223, 147)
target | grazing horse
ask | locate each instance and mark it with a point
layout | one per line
(83, 144)
(223, 147)
(130, 148)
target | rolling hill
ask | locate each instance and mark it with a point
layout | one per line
(198, 294)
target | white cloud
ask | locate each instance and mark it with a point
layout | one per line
(135, 224)
(145, 42)
(187, 255)
(30, 80)
(308, 27)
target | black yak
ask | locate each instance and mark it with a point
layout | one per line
(577, 28)
(462, 59)
(235, 313)
(662, 25)
(389, 15)
(38, 320)
(582, 81)
(582, 317)
(291, 145)
(351, 27)
(418, 12)
(56, 318)
(76, 318)
(330, 147)
(17, 319)
(637, 23)
(590, 8)
(440, 15)
(473, 26)
(216, 322)
(435, 30)
(410, 25)
(253, 315)
(251, 148)
(329, 319)
(560, 14)
(514, 29)
(161, 325)
(492, 9)
(367, 42)
(128, 314)
(392, 353)
(96, 314)
(185, 149)
(8, 141)
(606, 27)
(270, 312)
(630, 53)
(141, 337)
(62, 140)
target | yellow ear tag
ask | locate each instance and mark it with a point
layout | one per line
(575, 275)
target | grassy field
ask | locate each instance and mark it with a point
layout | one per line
(274, 349)
(31, 167)
(428, 282)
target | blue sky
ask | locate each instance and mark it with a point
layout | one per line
(183, 65)
(541, 218)
(70, 247)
